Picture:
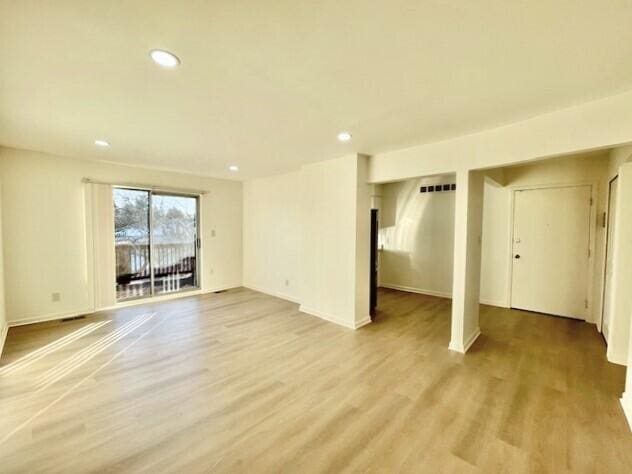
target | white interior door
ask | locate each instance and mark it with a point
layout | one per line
(607, 289)
(551, 240)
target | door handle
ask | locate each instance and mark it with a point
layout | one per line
(516, 256)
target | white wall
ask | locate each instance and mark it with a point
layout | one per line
(45, 235)
(3, 320)
(418, 229)
(333, 269)
(617, 157)
(598, 124)
(619, 344)
(312, 229)
(496, 251)
(272, 227)
(417, 236)
(618, 348)
(362, 267)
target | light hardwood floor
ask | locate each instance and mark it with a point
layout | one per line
(243, 382)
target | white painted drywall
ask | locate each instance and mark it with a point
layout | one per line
(583, 168)
(333, 269)
(272, 228)
(495, 252)
(46, 247)
(416, 236)
(3, 318)
(589, 126)
(363, 203)
(618, 348)
(418, 229)
(617, 157)
(468, 226)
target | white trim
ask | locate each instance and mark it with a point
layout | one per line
(334, 319)
(313, 312)
(276, 294)
(488, 302)
(463, 348)
(592, 232)
(167, 297)
(410, 289)
(602, 293)
(48, 317)
(140, 301)
(363, 322)
(440, 294)
(148, 187)
(620, 359)
(3, 337)
(626, 403)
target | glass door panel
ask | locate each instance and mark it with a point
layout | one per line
(174, 242)
(132, 239)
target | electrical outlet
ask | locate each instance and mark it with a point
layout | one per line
(213, 233)
(287, 282)
(56, 296)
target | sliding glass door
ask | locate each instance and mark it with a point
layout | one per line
(156, 239)
(132, 243)
(174, 242)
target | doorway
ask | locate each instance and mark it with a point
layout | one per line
(374, 261)
(551, 250)
(156, 242)
(606, 314)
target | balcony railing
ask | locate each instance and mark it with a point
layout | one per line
(174, 268)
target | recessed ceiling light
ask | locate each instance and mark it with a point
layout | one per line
(102, 143)
(233, 168)
(164, 58)
(344, 136)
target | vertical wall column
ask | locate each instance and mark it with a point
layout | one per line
(626, 398)
(468, 220)
(620, 337)
(335, 233)
(363, 243)
(621, 302)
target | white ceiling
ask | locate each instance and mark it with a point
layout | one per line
(269, 84)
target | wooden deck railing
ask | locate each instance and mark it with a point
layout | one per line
(132, 261)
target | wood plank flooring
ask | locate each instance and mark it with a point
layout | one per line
(243, 382)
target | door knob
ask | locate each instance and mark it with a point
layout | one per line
(517, 256)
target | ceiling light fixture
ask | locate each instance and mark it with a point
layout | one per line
(164, 58)
(344, 136)
(102, 143)
(233, 168)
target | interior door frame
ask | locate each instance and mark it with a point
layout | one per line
(605, 253)
(592, 230)
(374, 255)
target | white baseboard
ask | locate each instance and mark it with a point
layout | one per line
(334, 319)
(166, 297)
(440, 294)
(488, 302)
(626, 403)
(125, 304)
(410, 289)
(48, 317)
(363, 322)
(276, 294)
(617, 358)
(464, 347)
(3, 336)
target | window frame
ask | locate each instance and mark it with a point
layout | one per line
(197, 243)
